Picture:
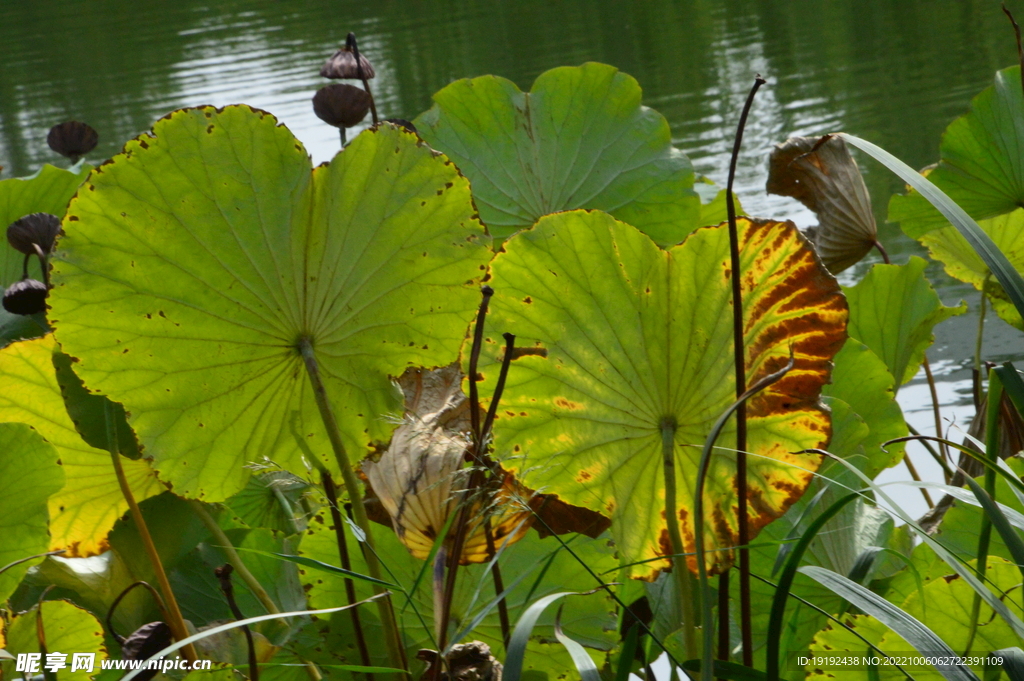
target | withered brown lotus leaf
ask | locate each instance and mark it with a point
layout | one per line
(821, 174)
(72, 139)
(37, 228)
(341, 105)
(420, 481)
(342, 64)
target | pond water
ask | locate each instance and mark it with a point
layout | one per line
(893, 71)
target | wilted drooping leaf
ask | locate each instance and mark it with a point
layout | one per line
(421, 480)
(72, 139)
(821, 174)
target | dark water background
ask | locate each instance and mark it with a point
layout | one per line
(893, 71)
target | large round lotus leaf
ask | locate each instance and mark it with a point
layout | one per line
(89, 504)
(67, 629)
(48, 191)
(578, 139)
(961, 261)
(198, 260)
(862, 380)
(628, 339)
(981, 166)
(29, 474)
(532, 568)
(893, 311)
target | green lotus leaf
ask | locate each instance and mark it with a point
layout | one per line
(591, 620)
(981, 166)
(201, 258)
(864, 383)
(29, 474)
(893, 311)
(15, 327)
(48, 191)
(628, 339)
(962, 262)
(85, 509)
(578, 139)
(944, 607)
(68, 629)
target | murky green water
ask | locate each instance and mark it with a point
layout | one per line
(893, 71)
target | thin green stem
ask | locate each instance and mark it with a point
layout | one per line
(176, 621)
(680, 570)
(995, 400)
(392, 637)
(234, 559)
(978, 344)
(346, 564)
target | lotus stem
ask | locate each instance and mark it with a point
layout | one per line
(113, 607)
(175, 621)
(234, 559)
(499, 585)
(739, 359)
(995, 401)
(362, 76)
(223, 574)
(723, 617)
(978, 344)
(680, 570)
(346, 564)
(935, 406)
(914, 474)
(392, 637)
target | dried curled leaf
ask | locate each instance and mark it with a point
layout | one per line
(821, 174)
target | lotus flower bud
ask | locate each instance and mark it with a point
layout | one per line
(37, 229)
(72, 139)
(25, 297)
(341, 105)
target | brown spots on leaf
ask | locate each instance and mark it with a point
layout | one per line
(528, 300)
(567, 404)
(584, 476)
(143, 144)
(518, 352)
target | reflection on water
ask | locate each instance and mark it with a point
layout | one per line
(894, 71)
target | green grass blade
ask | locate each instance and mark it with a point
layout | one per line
(1013, 662)
(580, 657)
(1013, 384)
(775, 621)
(241, 623)
(913, 631)
(998, 519)
(627, 654)
(996, 261)
(966, 573)
(323, 567)
(524, 629)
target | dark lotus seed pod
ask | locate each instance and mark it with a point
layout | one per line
(402, 123)
(342, 64)
(37, 228)
(341, 105)
(25, 297)
(72, 139)
(144, 642)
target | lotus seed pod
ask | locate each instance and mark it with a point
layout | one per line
(342, 64)
(41, 229)
(341, 105)
(25, 297)
(72, 139)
